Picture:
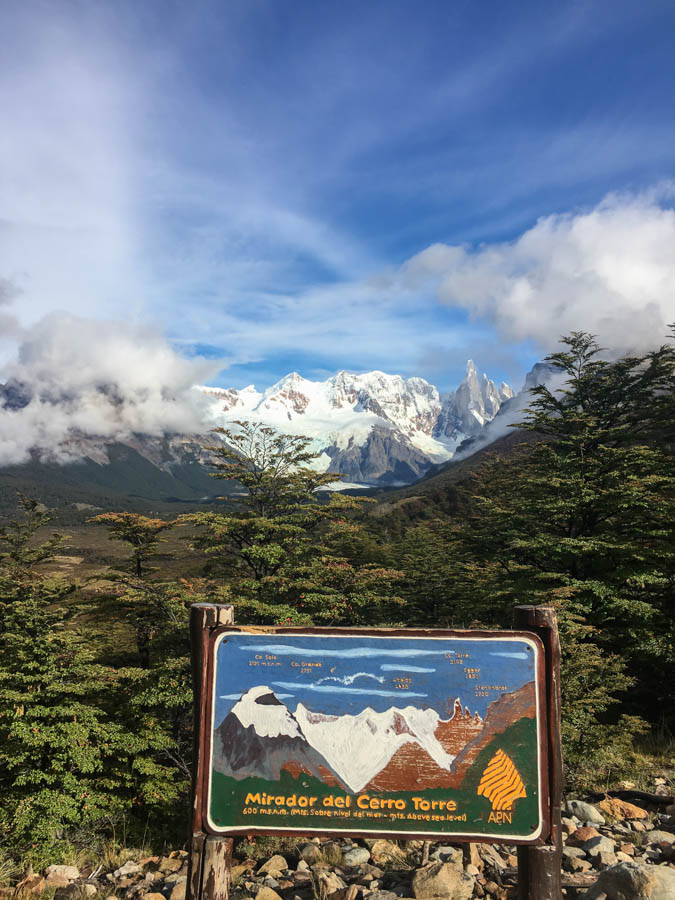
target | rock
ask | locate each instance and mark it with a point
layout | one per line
(638, 826)
(581, 835)
(448, 854)
(568, 825)
(473, 854)
(440, 879)
(154, 896)
(605, 858)
(129, 868)
(178, 893)
(383, 852)
(174, 878)
(238, 871)
(491, 857)
(70, 873)
(330, 882)
(621, 809)
(266, 893)
(148, 861)
(585, 812)
(57, 881)
(310, 852)
(303, 865)
(349, 893)
(170, 864)
(275, 865)
(627, 848)
(661, 837)
(575, 864)
(472, 870)
(268, 881)
(355, 856)
(90, 890)
(632, 881)
(573, 853)
(71, 891)
(383, 895)
(599, 844)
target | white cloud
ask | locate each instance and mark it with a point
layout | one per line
(79, 378)
(609, 270)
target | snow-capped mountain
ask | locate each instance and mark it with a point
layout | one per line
(261, 736)
(475, 403)
(372, 428)
(359, 747)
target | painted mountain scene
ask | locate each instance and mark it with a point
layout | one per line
(386, 733)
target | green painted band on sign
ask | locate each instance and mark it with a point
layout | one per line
(376, 733)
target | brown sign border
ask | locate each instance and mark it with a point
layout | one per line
(204, 735)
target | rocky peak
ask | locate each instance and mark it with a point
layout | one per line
(372, 427)
(476, 402)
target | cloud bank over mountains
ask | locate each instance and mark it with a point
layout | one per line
(609, 270)
(75, 377)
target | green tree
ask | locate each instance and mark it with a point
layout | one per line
(66, 763)
(138, 600)
(140, 532)
(442, 585)
(584, 518)
(282, 548)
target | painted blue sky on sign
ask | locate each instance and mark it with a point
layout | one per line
(363, 671)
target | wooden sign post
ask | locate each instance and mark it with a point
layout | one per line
(210, 857)
(398, 733)
(539, 868)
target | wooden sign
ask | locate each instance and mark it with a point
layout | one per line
(398, 733)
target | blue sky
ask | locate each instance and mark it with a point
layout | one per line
(365, 674)
(267, 183)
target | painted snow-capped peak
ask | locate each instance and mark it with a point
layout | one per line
(260, 708)
(358, 747)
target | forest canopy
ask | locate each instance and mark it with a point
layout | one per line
(579, 514)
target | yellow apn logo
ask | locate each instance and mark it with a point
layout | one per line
(501, 784)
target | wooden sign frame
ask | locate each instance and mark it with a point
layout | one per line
(539, 856)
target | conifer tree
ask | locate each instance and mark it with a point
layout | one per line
(68, 762)
(282, 547)
(584, 518)
(140, 601)
(140, 532)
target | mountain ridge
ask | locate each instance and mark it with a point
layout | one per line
(374, 429)
(408, 748)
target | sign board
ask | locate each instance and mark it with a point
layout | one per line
(381, 732)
